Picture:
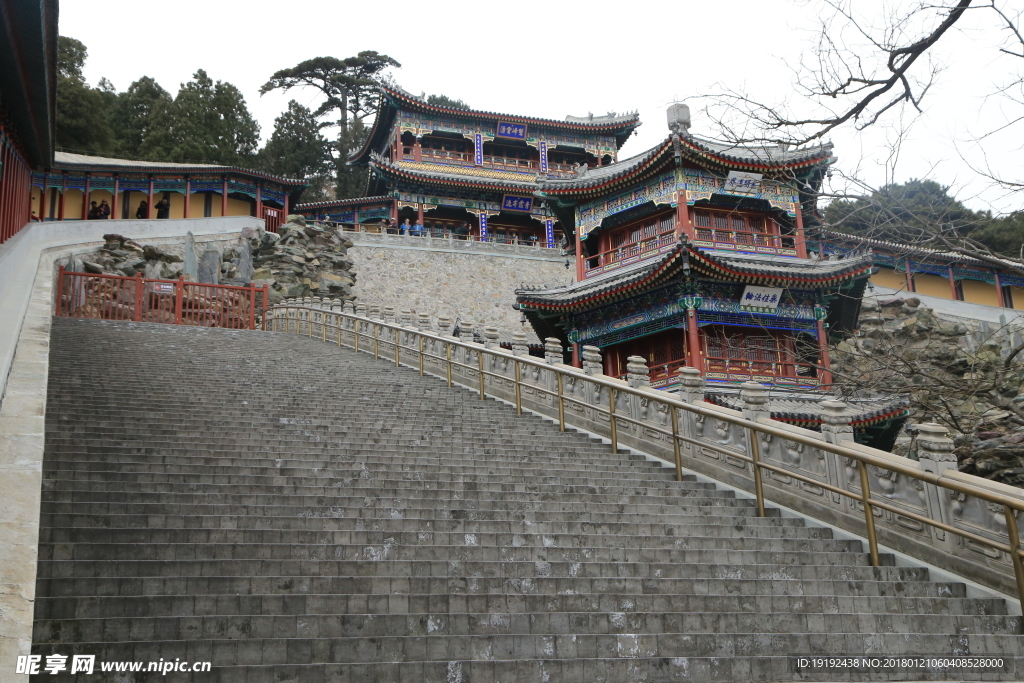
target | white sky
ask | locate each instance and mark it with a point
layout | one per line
(549, 59)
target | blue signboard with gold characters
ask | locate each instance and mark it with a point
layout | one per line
(513, 203)
(516, 131)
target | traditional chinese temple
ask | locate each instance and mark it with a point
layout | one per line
(448, 167)
(65, 189)
(28, 65)
(694, 253)
(930, 272)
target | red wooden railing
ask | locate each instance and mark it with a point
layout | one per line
(627, 251)
(272, 218)
(176, 302)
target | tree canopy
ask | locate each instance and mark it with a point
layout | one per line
(445, 101)
(349, 88)
(297, 149)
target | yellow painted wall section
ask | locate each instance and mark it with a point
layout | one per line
(73, 205)
(932, 285)
(37, 204)
(887, 277)
(238, 207)
(978, 292)
(1017, 294)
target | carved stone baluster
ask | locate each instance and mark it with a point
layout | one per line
(592, 364)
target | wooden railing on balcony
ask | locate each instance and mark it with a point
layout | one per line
(754, 365)
(628, 253)
(757, 242)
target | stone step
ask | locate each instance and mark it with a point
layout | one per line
(724, 624)
(91, 597)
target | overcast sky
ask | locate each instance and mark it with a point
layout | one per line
(553, 58)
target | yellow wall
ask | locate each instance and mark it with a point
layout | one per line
(978, 292)
(1017, 293)
(37, 194)
(932, 285)
(239, 207)
(72, 205)
(887, 277)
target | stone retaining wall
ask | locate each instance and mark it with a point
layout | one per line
(473, 281)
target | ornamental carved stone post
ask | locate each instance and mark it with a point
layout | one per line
(374, 311)
(490, 337)
(637, 373)
(835, 422)
(360, 310)
(553, 352)
(444, 326)
(592, 361)
(691, 384)
(935, 455)
(389, 315)
(755, 401)
(405, 318)
(424, 322)
(519, 346)
(349, 307)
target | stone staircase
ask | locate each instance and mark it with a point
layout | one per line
(295, 512)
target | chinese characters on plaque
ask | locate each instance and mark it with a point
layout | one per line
(478, 153)
(743, 183)
(516, 131)
(513, 203)
(760, 298)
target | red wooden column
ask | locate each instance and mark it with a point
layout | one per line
(63, 195)
(419, 212)
(259, 201)
(85, 198)
(188, 197)
(417, 150)
(693, 353)
(826, 373)
(224, 198)
(42, 197)
(114, 204)
(952, 282)
(801, 241)
(909, 275)
(149, 204)
(579, 256)
(284, 216)
(999, 292)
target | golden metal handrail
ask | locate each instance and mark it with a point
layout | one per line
(615, 386)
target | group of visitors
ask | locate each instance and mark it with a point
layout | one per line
(163, 209)
(102, 210)
(407, 227)
(98, 211)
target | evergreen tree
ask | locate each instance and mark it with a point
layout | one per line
(349, 88)
(445, 101)
(208, 123)
(134, 115)
(83, 113)
(297, 149)
(906, 212)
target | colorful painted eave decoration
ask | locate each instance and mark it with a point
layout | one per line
(715, 267)
(613, 294)
(396, 172)
(415, 103)
(660, 155)
(330, 204)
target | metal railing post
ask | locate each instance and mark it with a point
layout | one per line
(611, 421)
(323, 326)
(480, 369)
(356, 334)
(60, 289)
(869, 514)
(519, 389)
(376, 341)
(755, 457)
(1018, 565)
(140, 293)
(561, 403)
(421, 354)
(675, 443)
(398, 345)
(448, 365)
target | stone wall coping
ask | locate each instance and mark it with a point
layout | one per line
(987, 484)
(444, 244)
(802, 431)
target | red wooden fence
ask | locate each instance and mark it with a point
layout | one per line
(177, 302)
